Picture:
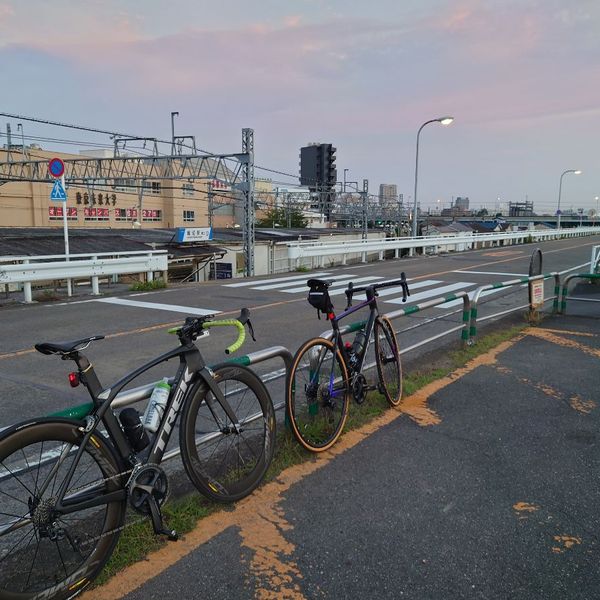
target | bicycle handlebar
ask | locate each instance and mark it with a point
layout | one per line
(229, 323)
(351, 290)
(191, 328)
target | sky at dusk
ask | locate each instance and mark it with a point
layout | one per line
(521, 78)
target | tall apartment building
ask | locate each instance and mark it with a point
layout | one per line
(388, 192)
(462, 203)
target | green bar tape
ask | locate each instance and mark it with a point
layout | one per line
(75, 412)
(524, 279)
(450, 297)
(473, 332)
(411, 309)
(465, 316)
(464, 334)
(356, 326)
(498, 285)
(474, 312)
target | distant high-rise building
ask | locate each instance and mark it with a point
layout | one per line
(462, 203)
(318, 172)
(388, 192)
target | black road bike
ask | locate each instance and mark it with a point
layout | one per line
(65, 484)
(326, 373)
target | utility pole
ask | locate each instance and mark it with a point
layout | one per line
(248, 191)
(210, 204)
(173, 114)
(8, 143)
(365, 198)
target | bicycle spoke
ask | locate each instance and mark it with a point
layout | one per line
(18, 480)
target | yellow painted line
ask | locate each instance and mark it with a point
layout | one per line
(576, 402)
(259, 517)
(561, 341)
(567, 332)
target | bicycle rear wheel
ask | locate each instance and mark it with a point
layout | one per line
(387, 357)
(317, 394)
(223, 464)
(44, 553)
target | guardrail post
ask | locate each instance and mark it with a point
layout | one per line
(95, 286)
(150, 274)
(27, 286)
(556, 293)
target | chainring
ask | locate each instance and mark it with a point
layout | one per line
(359, 388)
(148, 480)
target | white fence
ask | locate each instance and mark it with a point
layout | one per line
(299, 250)
(28, 269)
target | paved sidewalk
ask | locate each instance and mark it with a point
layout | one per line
(485, 485)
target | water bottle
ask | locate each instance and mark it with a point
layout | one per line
(156, 405)
(133, 428)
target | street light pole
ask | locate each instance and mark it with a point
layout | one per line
(443, 121)
(173, 114)
(575, 172)
(344, 188)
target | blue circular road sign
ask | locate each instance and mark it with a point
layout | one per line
(56, 167)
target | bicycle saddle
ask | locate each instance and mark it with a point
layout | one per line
(65, 347)
(319, 283)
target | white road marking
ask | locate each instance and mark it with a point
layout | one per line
(278, 279)
(431, 293)
(188, 310)
(491, 273)
(471, 294)
(344, 279)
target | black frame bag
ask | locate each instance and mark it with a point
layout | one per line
(318, 296)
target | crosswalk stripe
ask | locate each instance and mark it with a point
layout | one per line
(276, 286)
(471, 294)
(278, 279)
(343, 281)
(188, 310)
(438, 291)
(396, 289)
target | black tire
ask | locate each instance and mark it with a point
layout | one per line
(51, 555)
(227, 467)
(316, 419)
(387, 357)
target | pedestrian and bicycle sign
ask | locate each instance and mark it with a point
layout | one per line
(58, 193)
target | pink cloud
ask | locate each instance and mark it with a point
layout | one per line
(6, 12)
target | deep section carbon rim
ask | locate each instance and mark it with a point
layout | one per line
(44, 552)
(225, 464)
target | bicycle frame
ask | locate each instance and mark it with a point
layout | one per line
(191, 371)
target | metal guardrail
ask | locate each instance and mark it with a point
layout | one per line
(298, 250)
(595, 260)
(29, 269)
(565, 289)
(506, 284)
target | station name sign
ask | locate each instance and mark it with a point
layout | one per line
(194, 234)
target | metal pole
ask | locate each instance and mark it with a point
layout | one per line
(20, 126)
(248, 189)
(345, 171)
(577, 172)
(210, 204)
(173, 114)
(66, 235)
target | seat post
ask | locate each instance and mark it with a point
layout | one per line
(87, 374)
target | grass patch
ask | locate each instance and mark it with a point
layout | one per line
(47, 296)
(183, 514)
(302, 269)
(147, 286)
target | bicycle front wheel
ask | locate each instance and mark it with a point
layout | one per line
(387, 357)
(44, 552)
(317, 395)
(224, 464)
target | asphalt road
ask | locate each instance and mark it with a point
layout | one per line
(135, 324)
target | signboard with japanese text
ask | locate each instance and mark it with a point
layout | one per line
(194, 234)
(56, 212)
(536, 293)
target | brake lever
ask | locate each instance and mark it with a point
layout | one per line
(251, 330)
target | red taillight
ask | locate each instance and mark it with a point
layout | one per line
(73, 379)
(347, 345)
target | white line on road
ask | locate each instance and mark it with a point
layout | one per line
(189, 310)
(491, 273)
(278, 279)
(430, 293)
